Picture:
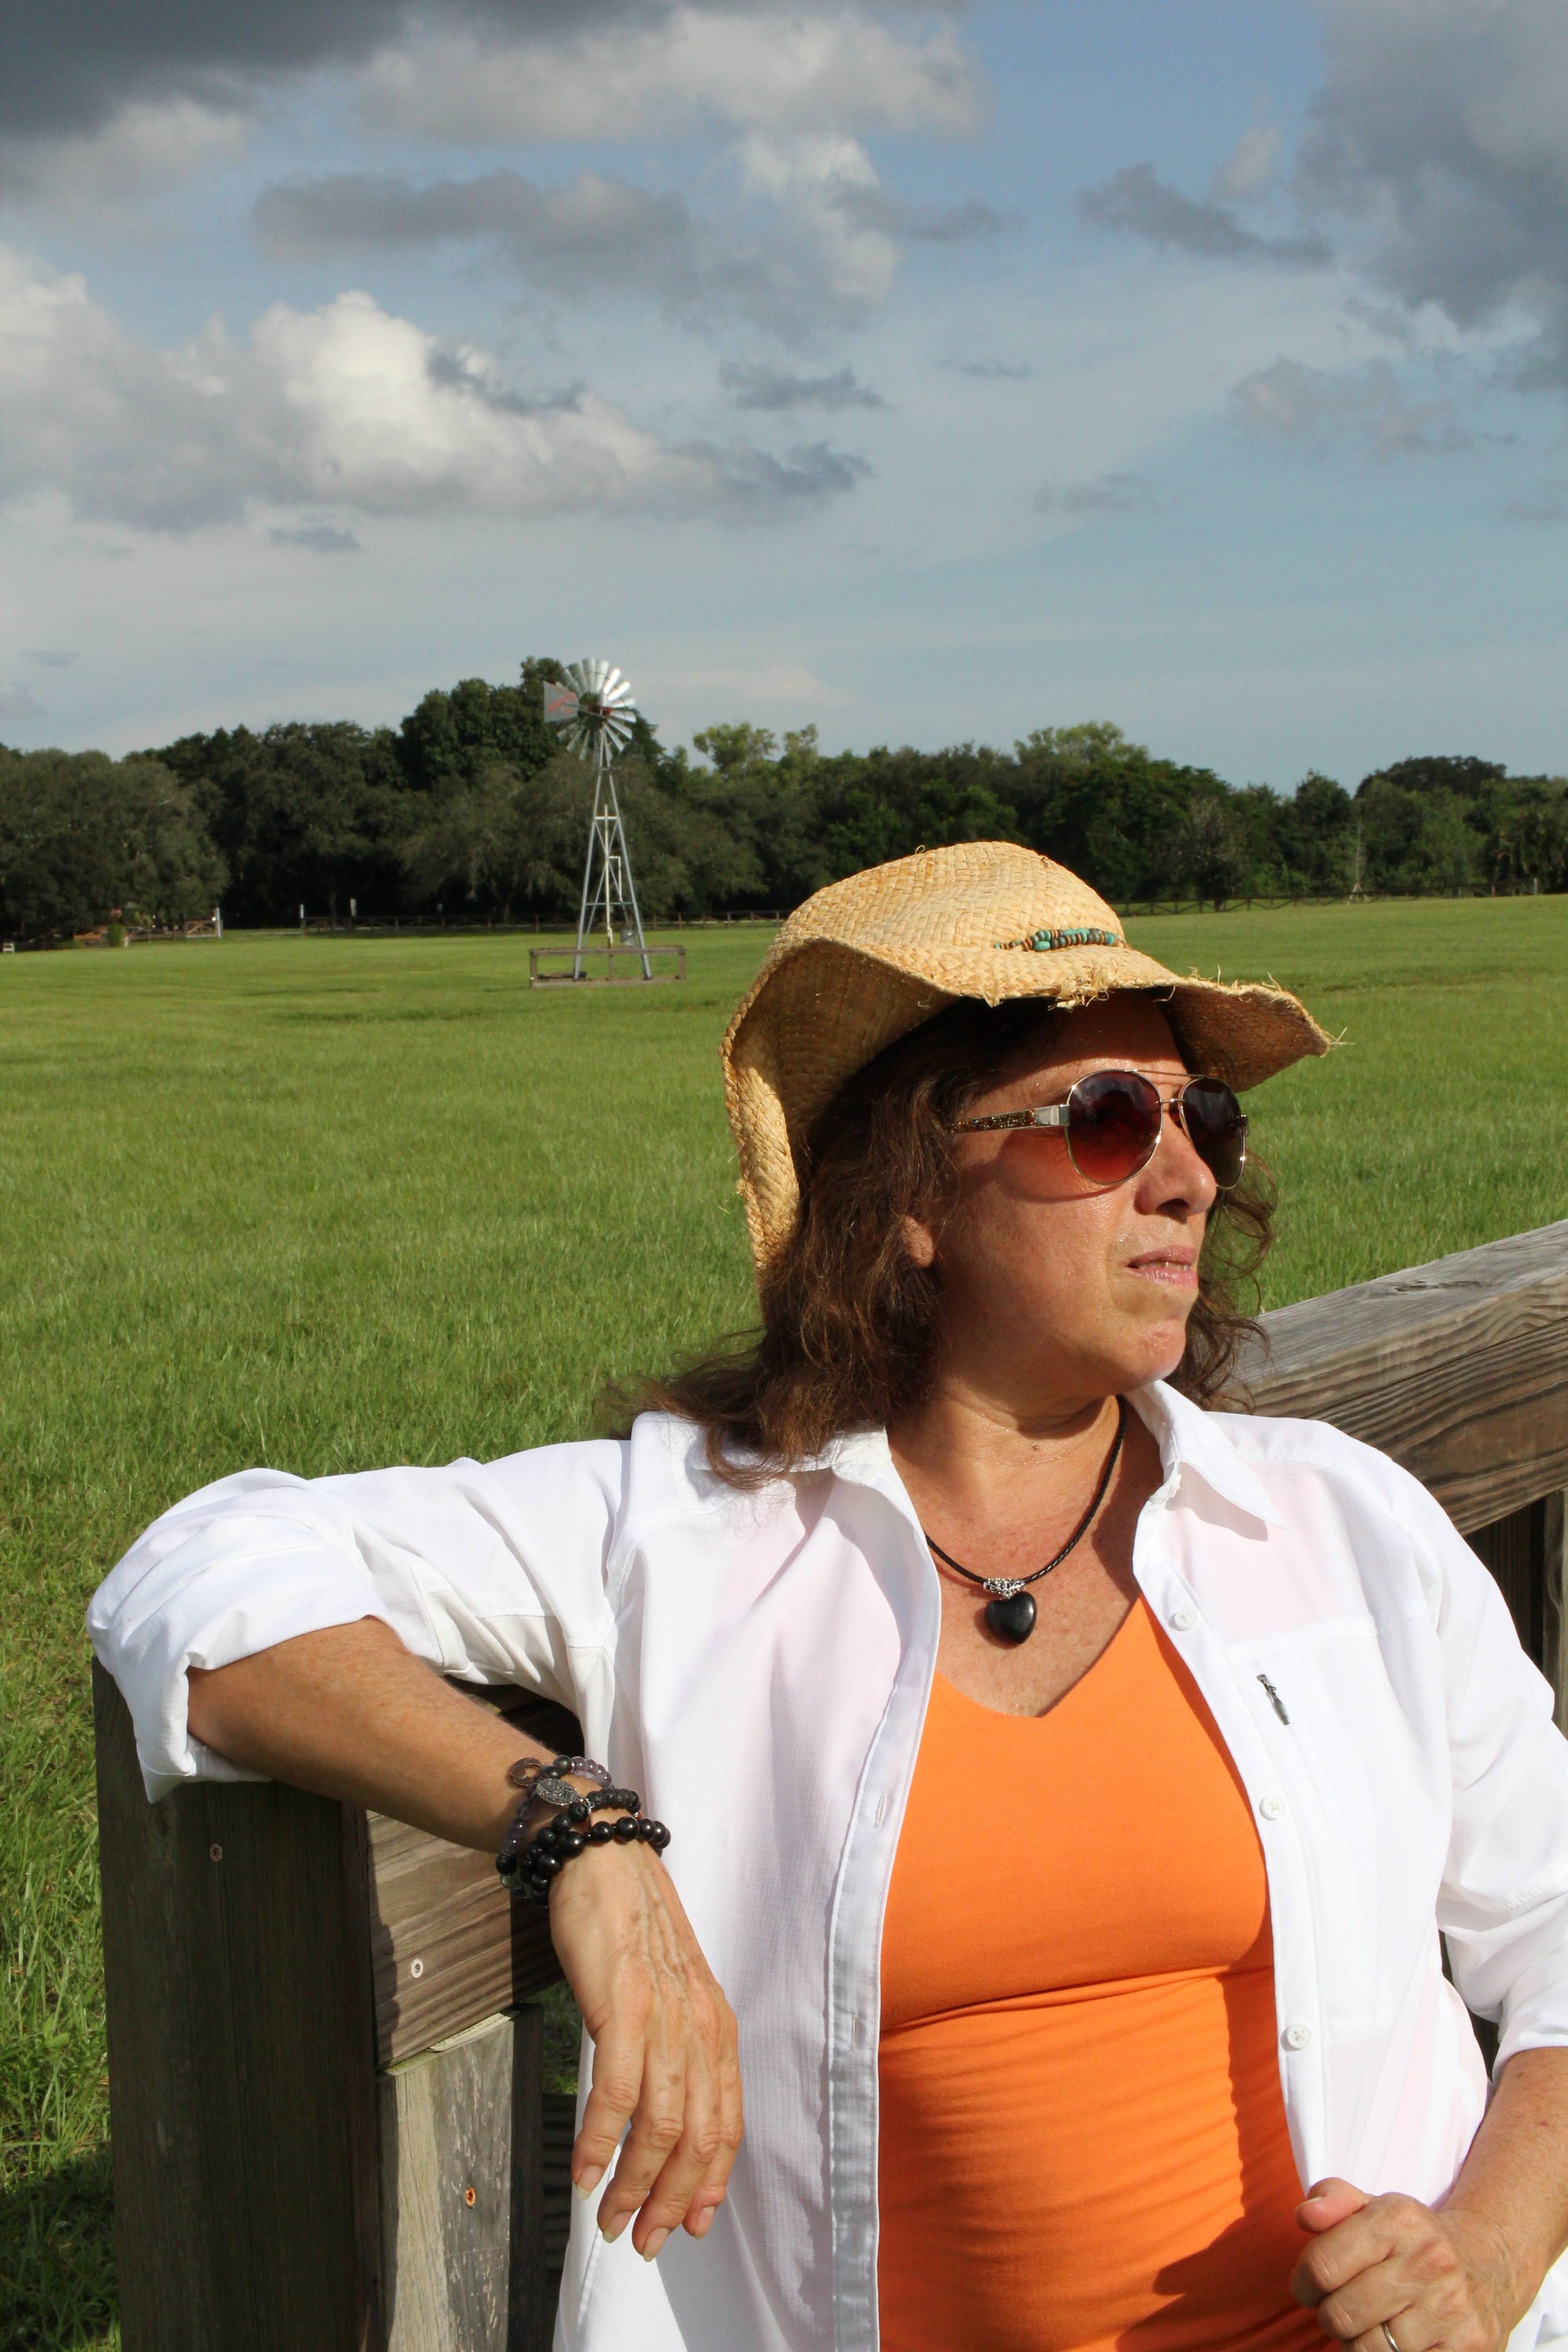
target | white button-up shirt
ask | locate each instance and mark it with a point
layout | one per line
(759, 1666)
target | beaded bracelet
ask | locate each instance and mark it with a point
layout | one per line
(544, 1779)
(527, 1867)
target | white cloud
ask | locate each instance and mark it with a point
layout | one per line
(824, 180)
(1249, 166)
(779, 69)
(1292, 401)
(346, 407)
(798, 235)
(1439, 141)
(145, 148)
(1433, 166)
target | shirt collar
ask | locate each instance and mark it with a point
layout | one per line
(1191, 1439)
(1188, 1439)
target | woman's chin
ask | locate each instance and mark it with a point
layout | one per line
(1157, 1353)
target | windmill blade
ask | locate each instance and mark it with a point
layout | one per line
(595, 712)
(561, 704)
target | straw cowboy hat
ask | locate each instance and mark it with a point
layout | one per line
(868, 959)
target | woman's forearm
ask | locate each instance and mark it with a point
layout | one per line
(1515, 2178)
(347, 1712)
(350, 1713)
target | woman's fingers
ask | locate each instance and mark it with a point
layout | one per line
(1393, 2263)
(666, 2087)
(710, 2190)
(690, 2189)
(656, 2131)
(1328, 2203)
(687, 2165)
(1411, 2333)
(1383, 2292)
(611, 2103)
(694, 2095)
(1347, 2250)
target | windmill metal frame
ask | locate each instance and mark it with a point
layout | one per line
(594, 710)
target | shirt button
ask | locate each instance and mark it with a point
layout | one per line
(1272, 1810)
(1296, 2037)
(1184, 1620)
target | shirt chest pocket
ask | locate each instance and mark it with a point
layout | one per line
(1365, 1793)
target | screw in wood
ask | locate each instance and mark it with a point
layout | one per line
(415, 1968)
(215, 1852)
(467, 2197)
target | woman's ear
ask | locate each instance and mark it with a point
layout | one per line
(920, 1242)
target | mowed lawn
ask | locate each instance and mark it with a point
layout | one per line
(328, 1202)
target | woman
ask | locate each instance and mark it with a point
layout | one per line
(1067, 1784)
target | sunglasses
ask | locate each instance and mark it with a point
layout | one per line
(1112, 1124)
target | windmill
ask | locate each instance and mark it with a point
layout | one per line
(593, 712)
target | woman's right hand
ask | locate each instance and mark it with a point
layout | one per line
(349, 1713)
(665, 2052)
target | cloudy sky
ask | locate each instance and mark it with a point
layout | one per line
(924, 373)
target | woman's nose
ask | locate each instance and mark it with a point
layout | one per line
(1175, 1173)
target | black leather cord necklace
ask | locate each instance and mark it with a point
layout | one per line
(1010, 1613)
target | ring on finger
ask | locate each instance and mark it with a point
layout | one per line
(1388, 2335)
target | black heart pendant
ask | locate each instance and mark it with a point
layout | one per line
(1011, 1617)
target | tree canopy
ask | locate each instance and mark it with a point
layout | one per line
(470, 807)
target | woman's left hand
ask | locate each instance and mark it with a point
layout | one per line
(1437, 2282)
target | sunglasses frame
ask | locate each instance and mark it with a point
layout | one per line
(1059, 1115)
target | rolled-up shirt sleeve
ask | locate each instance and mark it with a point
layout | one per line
(1503, 1907)
(492, 1571)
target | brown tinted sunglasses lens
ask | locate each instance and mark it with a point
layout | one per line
(1216, 1128)
(1113, 1125)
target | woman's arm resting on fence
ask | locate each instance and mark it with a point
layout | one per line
(1461, 2277)
(349, 1713)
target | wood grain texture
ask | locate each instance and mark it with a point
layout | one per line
(240, 2062)
(448, 1946)
(1459, 1369)
(462, 2194)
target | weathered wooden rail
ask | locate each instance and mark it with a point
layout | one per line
(330, 2130)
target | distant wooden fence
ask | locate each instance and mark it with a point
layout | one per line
(330, 2132)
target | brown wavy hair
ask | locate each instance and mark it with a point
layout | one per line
(852, 1329)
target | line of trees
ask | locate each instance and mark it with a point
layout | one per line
(470, 811)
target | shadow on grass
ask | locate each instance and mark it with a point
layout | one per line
(56, 2260)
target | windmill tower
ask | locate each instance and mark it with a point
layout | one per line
(593, 712)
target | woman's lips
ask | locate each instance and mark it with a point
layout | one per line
(1177, 1268)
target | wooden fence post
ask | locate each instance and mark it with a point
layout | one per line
(318, 2047)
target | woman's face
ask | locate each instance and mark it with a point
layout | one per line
(1054, 1289)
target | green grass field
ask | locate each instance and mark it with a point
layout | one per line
(327, 1202)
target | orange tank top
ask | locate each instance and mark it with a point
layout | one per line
(1083, 2140)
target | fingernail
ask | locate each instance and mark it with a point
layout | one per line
(655, 2239)
(611, 2230)
(704, 2222)
(586, 2182)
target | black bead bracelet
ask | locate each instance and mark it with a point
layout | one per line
(529, 1867)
